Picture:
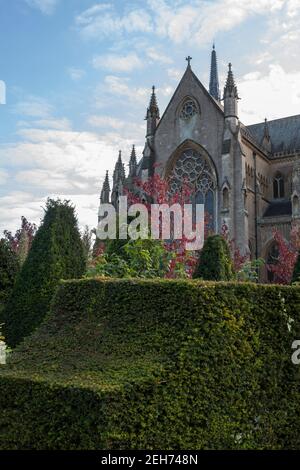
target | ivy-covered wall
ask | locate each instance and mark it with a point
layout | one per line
(157, 364)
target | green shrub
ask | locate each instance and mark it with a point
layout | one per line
(56, 253)
(156, 364)
(9, 267)
(214, 262)
(136, 258)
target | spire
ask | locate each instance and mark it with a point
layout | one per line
(230, 87)
(132, 162)
(104, 198)
(119, 171)
(153, 107)
(152, 116)
(231, 97)
(266, 130)
(266, 140)
(214, 89)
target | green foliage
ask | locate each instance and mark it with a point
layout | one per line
(9, 267)
(135, 258)
(296, 272)
(56, 253)
(214, 262)
(157, 364)
(249, 271)
(87, 242)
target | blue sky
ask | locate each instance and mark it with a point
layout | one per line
(78, 76)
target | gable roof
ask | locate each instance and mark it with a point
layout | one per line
(284, 133)
(187, 72)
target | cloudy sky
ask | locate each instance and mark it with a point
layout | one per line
(78, 76)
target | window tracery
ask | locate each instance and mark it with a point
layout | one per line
(189, 109)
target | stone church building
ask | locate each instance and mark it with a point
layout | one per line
(247, 176)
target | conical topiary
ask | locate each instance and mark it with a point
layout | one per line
(214, 262)
(56, 253)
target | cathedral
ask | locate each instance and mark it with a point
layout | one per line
(247, 177)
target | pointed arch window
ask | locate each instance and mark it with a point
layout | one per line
(225, 198)
(193, 169)
(278, 186)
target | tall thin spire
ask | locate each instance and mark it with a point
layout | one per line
(132, 162)
(153, 107)
(214, 88)
(119, 171)
(104, 198)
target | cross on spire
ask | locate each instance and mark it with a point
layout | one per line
(188, 59)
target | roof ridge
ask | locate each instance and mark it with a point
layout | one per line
(273, 120)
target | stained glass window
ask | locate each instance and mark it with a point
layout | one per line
(193, 169)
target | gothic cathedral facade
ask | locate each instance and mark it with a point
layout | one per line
(248, 177)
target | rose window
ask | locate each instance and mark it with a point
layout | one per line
(189, 109)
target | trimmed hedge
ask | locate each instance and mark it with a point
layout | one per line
(156, 364)
(56, 253)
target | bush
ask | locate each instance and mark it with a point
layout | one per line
(156, 364)
(56, 253)
(214, 262)
(9, 267)
(136, 258)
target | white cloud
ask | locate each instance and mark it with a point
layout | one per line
(199, 22)
(106, 121)
(102, 20)
(273, 95)
(53, 162)
(117, 63)
(174, 74)
(157, 56)
(76, 74)
(196, 22)
(119, 86)
(47, 7)
(33, 106)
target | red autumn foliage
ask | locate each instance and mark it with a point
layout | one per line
(14, 240)
(287, 255)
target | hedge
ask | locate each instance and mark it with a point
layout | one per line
(156, 364)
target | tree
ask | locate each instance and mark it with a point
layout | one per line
(86, 238)
(22, 240)
(8, 269)
(56, 253)
(214, 262)
(283, 268)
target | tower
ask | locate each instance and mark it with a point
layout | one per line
(214, 89)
